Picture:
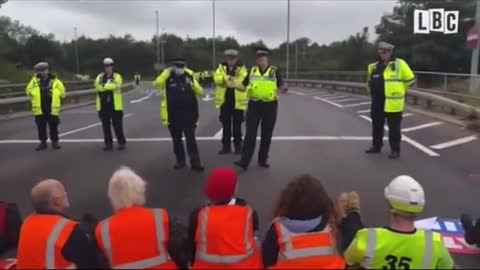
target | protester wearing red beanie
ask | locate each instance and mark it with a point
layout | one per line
(223, 221)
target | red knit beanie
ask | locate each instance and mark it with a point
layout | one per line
(221, 184)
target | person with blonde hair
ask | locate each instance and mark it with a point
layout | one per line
(134, 225)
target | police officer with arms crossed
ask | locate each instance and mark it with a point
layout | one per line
(388, 80)
(110, 105)
(179, 110)
(229, 77)
(46, 92)
(261, 85)
(401, 245)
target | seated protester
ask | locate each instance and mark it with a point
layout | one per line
(472, 231)
(303, 233)
(221, 233)
(10, 224)
(51, 240)
(134, 237)
(400, 246)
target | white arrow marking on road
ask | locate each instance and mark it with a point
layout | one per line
(141, 99)
(87, 127)
(358, 104)
(432, 124)
(328, 101)
(454, 142)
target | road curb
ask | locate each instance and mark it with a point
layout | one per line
(20, 115)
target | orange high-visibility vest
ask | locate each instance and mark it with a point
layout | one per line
(136, 238)
(225, 238)
(313, 250)
(42, 238)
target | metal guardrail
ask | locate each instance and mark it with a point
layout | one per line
(18, 90)
(18, 104)
(415, 96)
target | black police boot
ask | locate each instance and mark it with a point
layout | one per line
(108, 148)
(41, 146)
(467, 224)
(394, 155)
(197, 167)
(238, 148)
(263, 164)
(373, 150)
(179, 165)
(226, 149)
(122, 147)
(56, 146)
(241, 164)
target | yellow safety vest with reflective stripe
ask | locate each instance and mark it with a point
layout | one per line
(397, 76)
(115, 86)
(160, 83)
(381, 248)
(220, 87)
(262, 87)
(57, 90)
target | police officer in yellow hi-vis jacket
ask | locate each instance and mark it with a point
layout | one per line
(179, 110)
(231, 99)
(110, 105)
(261, 85)
(388, 80)
(400, 245)
(46, 92)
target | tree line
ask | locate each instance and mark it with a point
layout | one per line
(23, 46)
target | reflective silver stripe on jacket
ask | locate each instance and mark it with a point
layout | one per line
(140, 264)
(51, 240)
(204, 256)
(291, 253)
(372, 243)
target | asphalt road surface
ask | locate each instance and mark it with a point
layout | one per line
(317, 132)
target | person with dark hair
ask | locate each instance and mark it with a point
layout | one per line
(222, 233)
(303, 233)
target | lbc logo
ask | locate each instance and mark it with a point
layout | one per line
(435, 20)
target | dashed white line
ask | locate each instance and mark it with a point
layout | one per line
(432, 124)
(328, 101)
(364, 111)
(87, 127)
(454, 142)
(357, 104)
(141, 99)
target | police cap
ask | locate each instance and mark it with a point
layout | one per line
(231, 52)
(262, 51)
(385, 46)
(41, 66)
(177, 61)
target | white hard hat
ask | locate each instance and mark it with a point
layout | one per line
(108, 61)
(405, 195)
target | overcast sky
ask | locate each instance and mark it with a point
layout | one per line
(246, 20)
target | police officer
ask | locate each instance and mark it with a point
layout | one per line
(262, 84)
(401, 245)
(137, 78)
(110, 105)
(388, 80)
(46, 92)
(179, 110)
(232, 102)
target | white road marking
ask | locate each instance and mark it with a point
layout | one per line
(357, 104)
(207, 98)
(364, 111)
(408, 114)
(168, 139)
(327, 95)
(296, 93)
(410, 141)
(432, 124)
(338, 97)
(328, 101)
(87, 127)
(141, 99)
(345, 99)
(454, 142)
(219, 134)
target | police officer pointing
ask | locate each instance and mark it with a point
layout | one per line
(231, 99)
(388, 80)
(262, 84)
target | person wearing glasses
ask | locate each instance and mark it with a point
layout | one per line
(388, 80)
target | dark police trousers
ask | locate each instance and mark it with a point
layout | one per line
(232, 120)
(115, 118)
(394, 121)
(52, 121)
(263, 114)
(177, 130)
